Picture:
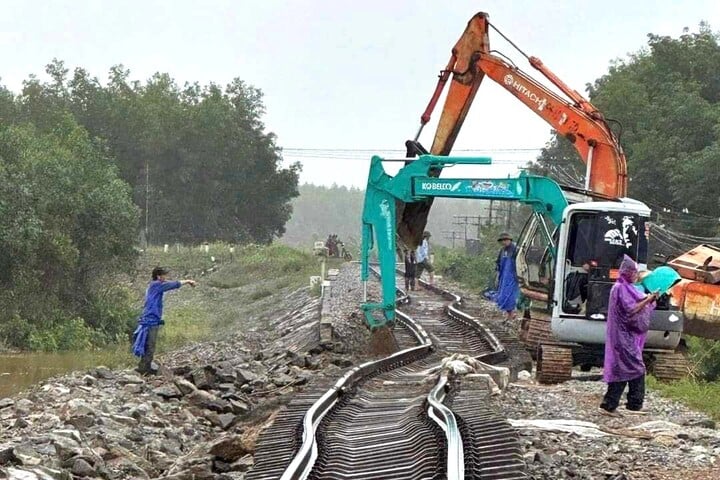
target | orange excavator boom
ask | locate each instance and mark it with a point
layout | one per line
(573, 117)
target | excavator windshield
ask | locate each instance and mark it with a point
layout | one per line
(603, 239)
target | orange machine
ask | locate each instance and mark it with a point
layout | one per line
(699, 293)
(574, 117)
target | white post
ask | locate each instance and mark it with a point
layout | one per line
(166, 248)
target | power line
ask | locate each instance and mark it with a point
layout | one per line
(499, 161)
(504, 149)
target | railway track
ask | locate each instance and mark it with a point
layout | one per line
(401, 417)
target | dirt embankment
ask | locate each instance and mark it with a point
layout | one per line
(200, 419)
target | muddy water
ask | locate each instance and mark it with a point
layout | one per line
(19, 371)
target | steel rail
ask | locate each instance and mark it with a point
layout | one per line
(302, 463)
(453, 310)
(448, 422)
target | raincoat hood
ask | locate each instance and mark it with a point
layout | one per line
(628, 268)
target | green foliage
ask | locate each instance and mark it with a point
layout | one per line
(667, 98)
(112, 314)
(67, 224)
(695, 394)
(16, 331)
(705, 354)
(253, 262)
(71, 334)
(75, 154)
(473, 271)
(214, 173)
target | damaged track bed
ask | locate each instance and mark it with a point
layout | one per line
(401, 417)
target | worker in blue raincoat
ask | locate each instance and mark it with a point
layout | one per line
(145, 336)
(507, 284)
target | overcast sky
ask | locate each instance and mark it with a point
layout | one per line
(341, 74)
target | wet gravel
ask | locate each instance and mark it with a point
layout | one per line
(113, 424)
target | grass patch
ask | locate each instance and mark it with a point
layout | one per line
(184, 324)
(185, 261)
(253, 263)
(235, 294)
(702, 396)
(260, 293)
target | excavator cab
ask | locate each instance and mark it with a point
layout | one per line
(594, 237)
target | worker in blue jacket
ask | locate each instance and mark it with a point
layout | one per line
(145, 336)
(506, 280)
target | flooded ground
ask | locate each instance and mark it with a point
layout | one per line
(19, 371)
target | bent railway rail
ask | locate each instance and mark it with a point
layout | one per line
(383, 419)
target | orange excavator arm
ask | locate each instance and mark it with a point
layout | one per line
(574, 117)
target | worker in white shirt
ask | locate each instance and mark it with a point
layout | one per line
(423, 258)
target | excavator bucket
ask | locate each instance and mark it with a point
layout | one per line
(412, 217)
(701, 264)
(382, 342)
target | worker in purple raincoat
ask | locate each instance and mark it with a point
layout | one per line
(628, 321)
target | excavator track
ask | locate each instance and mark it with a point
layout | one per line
(554, 364)
(670, 366)
(536, 331)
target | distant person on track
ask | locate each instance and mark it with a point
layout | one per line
(506, 278)
(410, 269)
(628, 322)
(422, 256)
(145, 336)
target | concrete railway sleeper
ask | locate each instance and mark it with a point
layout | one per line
(383, 419)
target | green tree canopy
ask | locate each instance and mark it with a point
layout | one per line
(667, 98)
(67, 223)
(197, 156)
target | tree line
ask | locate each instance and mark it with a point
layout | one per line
(197, 156)
(84, 163)
(664, 103)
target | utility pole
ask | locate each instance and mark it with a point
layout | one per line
(490, 212)
(147, 202)
(466, 221)
(452, 235)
